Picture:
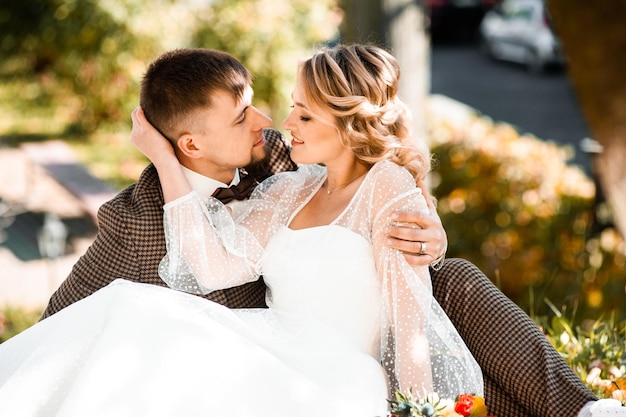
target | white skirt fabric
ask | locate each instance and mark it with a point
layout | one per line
(140, 350)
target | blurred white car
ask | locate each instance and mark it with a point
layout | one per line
(521, 31)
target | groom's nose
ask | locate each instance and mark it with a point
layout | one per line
(261, 120)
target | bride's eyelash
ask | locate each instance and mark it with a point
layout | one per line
(303, 118)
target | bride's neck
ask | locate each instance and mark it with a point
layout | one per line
(341, 177)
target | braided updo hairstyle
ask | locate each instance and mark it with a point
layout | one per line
(358, 85)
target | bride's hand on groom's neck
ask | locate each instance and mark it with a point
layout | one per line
(161, 153)
(149, 141)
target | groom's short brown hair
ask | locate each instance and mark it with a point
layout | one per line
(183, 80)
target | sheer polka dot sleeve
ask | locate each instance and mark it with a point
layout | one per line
(420, 348)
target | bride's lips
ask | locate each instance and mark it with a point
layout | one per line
(295, 141)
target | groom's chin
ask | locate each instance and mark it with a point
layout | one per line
(259, 164)
(259, 156)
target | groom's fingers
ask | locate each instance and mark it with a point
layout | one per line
(418, 260)
(410, 242)
(429, 200)
(410, 228)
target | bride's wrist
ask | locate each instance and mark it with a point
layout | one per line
(165, 162)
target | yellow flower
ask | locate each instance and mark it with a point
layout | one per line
(479, 409)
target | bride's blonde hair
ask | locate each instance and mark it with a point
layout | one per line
(358, 85)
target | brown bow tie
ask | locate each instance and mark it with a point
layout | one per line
(240, 191)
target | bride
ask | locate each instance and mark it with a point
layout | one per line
(349, 320)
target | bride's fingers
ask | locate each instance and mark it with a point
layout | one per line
(136, 117)
(137, 132)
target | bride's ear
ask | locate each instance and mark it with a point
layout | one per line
(187, 145)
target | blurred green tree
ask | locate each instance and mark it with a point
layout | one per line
(73, 49)
(94, 52)
(269, 38)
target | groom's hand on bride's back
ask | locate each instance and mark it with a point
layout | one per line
(419, 235)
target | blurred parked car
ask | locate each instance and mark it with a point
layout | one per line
(521, 31)
(457, 18)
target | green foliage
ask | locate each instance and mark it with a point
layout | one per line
(513, 206)
(595, 350)
(75, 51)
(268, 37)
(410, 405)
(14, 320)
(95, 51)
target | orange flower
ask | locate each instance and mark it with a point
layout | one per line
(464, 404)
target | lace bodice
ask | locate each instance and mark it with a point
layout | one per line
(210, 248)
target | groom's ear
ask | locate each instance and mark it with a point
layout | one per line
(187, 146)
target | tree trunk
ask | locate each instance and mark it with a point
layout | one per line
(593, 36)
(398, 25)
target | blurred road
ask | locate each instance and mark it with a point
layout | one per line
(544, 105)
(41, 182)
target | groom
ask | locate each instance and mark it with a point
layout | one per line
(524, 375)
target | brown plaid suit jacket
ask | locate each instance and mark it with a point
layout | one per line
(524, 375)
(130, 242)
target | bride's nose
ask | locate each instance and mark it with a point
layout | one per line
(288, 122)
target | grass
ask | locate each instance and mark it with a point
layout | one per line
(595, 350)
(14, 320)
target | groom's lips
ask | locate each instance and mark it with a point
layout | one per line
(261, 142)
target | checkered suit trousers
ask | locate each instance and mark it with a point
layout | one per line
(524, 375)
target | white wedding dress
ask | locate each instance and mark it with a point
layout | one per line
(333, 341)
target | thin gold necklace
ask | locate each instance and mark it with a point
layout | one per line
(329, 191)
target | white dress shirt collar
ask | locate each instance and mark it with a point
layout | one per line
(206, 186)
